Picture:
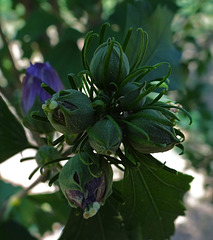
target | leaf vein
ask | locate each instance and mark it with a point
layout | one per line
(152, 201)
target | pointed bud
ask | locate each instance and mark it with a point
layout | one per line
(46, 154)
(105, 137)
(109, 65)
(151, 132)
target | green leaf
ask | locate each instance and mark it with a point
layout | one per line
(58, 203)
(7, 190)
(12, 135)
(36, 25)
(153, 195)
(171, 4)
(24, 212)
(12, 230)
(65, 57)
(106, 225)
(41, 210)
(160, 47)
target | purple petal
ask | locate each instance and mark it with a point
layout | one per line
(75, 196)
(28, 93)
(96, 190)
(35, 75)
(35, 70)
(51, 78)
(47, 74)
(101, 189)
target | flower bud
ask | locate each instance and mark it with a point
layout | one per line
(69, 111)
(36, 75)
(33, 95)
(159, 135)
(82, 189)
(46, 154)
(128, 94)
(105, 137)
(109, 65)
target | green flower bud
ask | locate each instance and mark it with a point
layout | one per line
(69, 111)
(105, 137)
(151, 132)
(109, 65)
(81, 188)
(46, 154)
(128, 94)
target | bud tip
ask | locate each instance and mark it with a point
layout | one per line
(53, 105)
(92, 210)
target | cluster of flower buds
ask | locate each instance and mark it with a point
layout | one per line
(113, 110)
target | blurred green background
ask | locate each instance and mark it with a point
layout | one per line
(54, 30)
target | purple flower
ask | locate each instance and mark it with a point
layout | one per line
(89, 201)
(82, 189)
(36, 75)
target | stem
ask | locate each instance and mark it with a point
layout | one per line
(125, 159)
(27, 159)
(58, 140)
(40, 142)
(53, 161)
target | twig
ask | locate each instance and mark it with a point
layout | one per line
(16, 72)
